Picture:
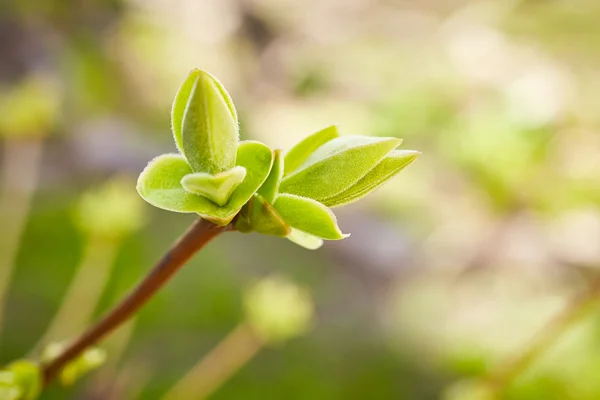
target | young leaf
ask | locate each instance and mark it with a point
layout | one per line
(309, 216)
(160, 183)
(179, 105)
(263, 218)
(217, 188)
(393, 163)
(305, 240)
(269, 189)
(301, 151)
(337, 165)
(209, 130)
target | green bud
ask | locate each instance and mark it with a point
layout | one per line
(217, 188)
(112, 210)
(31, 108)
(278, 310)
(260, 216)
(21, 380)
(337, 165)
(205, 124)
(89, 360)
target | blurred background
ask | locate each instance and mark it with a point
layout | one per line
(451, 268)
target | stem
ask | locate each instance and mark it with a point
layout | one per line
(217, 366)
(196, 237)
(21, 167)
(84, 291)
(545, 338)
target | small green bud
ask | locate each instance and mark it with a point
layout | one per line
(31, 108)
(21, 380)
(217, 188)
(205, 124)
(278, 310)
(260, 216)
(112, 210)
(89, 360)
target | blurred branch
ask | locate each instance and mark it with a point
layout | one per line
(84, 292)
(196, 237)
(21, 166)
(218, 366)
(546, 338)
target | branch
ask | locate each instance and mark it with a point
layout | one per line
(198, 235)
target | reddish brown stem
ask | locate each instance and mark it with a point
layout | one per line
(198, 235)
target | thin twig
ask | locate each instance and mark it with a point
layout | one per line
(198, 235)
(547, 337)
(20, 172)
(217, 366)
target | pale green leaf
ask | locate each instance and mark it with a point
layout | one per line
(309, 216)
(393, 163)
(269, 189)
(337, 165)
(217, 188)
(301, 151)
(305, 240)
(263, 218)
(179, 105)
(160, 183)
(209, 130)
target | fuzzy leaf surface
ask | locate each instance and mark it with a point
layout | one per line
(217, 188)
(209, 128)
(393, 163)
(309, 216)
(301, 151)
(337, 165)
(160, 183)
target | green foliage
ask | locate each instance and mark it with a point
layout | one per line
(21, 380)
(89, 360)
(278, 310)
(269, 193)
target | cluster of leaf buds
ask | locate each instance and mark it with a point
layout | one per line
(287, 195)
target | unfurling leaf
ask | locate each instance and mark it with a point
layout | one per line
(205, 124)
(336, 166)
(309, 216)
(160, 183)
(393, 163)
(301, 151)
(269, 189)
(217, 188)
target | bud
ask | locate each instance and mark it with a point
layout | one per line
(21, 380)
(278, 310)
(205, 124)
(112, 210)
(31, 108)
(89, 360)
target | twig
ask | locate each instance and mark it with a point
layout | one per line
(197, 236)
(21, 166)
(545, 338)
(217, 366)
